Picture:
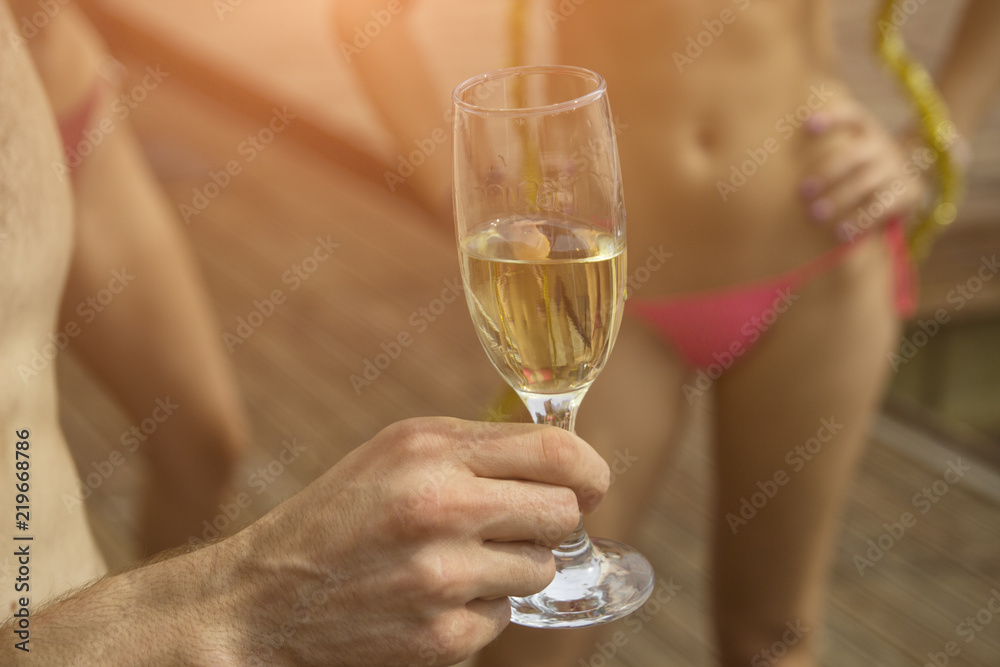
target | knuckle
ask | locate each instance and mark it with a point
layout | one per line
(593, 493)
(426, 439)
(496, 613)
(565, 510)
(409, 434)
(561, 517)
(557, 451)
(432, 507)
(437, 576)
(540, 565)
(449, 636)
(600, 484)
(407, 517)
(428, 511)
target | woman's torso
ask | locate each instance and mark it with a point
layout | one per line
(709, 99)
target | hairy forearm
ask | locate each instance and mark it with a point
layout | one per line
(176, 611)
(969, 77)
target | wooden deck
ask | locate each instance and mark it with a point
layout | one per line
(295, 374)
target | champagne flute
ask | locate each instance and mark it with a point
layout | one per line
(540, 220)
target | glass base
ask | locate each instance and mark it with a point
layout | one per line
(615, 581)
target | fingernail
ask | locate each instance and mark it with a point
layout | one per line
(818, 122)
(810, 187)
(821, 210)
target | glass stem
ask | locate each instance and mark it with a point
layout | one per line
(560, 410)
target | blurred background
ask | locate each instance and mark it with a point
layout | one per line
(234, 64)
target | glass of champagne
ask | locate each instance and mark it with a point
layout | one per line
(540, 220)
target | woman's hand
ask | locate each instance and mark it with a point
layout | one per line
(859, 176)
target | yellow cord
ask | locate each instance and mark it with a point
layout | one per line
(508, 404)
(936, 130)
(517, 25)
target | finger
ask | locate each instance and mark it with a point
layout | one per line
(456, 633)
(494, 617)
(837, 166)
(875, 212)
(840, 116)
(844, 198)
(512, 568)
(539, 454)
(526, 512)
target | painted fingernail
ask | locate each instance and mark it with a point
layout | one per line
(821, 210)
(818, 122)
(810, 187)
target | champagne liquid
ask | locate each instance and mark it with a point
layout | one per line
(546, 298)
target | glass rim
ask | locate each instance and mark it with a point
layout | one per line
(507, 72)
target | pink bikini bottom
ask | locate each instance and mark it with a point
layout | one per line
(710, 326)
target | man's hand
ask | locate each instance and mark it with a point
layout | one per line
(405, 551)
(401, 554)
